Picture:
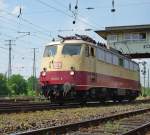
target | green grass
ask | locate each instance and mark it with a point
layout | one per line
(145, 92)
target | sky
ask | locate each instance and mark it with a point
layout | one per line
(33, 23)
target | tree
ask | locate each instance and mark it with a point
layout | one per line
(4, 90)
(17, 85)
(32, 84)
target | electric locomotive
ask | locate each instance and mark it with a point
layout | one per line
(77, 68)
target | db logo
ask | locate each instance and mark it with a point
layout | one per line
(57, 65)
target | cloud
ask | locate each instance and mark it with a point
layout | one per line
(2, 4)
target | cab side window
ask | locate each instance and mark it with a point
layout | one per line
(87, 51)
(92, 52)
(121, 62)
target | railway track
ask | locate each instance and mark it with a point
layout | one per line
(28, 106)
(14, 107)
(18, 99)
(131, 123)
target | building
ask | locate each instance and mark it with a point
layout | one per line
(131, 40)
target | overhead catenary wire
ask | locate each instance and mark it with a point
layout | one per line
(82, 18)
(17, 53)
(18, 38)
(34, 33)
(121, 5)
(16, 31)
(64, 12)
(3, 48)
(10, 37)
(30, 23)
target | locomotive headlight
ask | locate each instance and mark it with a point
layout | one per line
(44, 73)
(71, 72)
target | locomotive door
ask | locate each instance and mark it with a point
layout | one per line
(92, 64)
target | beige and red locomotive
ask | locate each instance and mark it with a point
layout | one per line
(76, 68)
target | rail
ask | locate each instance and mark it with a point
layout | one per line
(76, 126)
(13, 107)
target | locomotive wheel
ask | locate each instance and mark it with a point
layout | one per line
(102, 100)
(131, 99)
(120, 100)
(114, 100)
(83, 103)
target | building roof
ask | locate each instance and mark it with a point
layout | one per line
(122, 29)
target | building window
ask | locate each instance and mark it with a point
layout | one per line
(112, 38)
(135, 36)
(128, 36)
(142, 36)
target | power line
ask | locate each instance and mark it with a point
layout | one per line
(16, 52)
(79, 14)
(3, 48)
(48, 5)
(18, 38)
(121, 5)
(148, 79)
(6, 20)
(63, 12)
(28, 22)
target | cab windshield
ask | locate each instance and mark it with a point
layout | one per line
(50, 51)
(71, 49)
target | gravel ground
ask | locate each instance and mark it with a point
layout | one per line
(16, 122)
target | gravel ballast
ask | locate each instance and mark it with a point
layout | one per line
(16, 122)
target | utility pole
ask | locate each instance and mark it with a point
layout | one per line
(148, 78)
(34, 68)
(9, 60)
(144, 74)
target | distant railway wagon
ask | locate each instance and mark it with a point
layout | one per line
(77, 68)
